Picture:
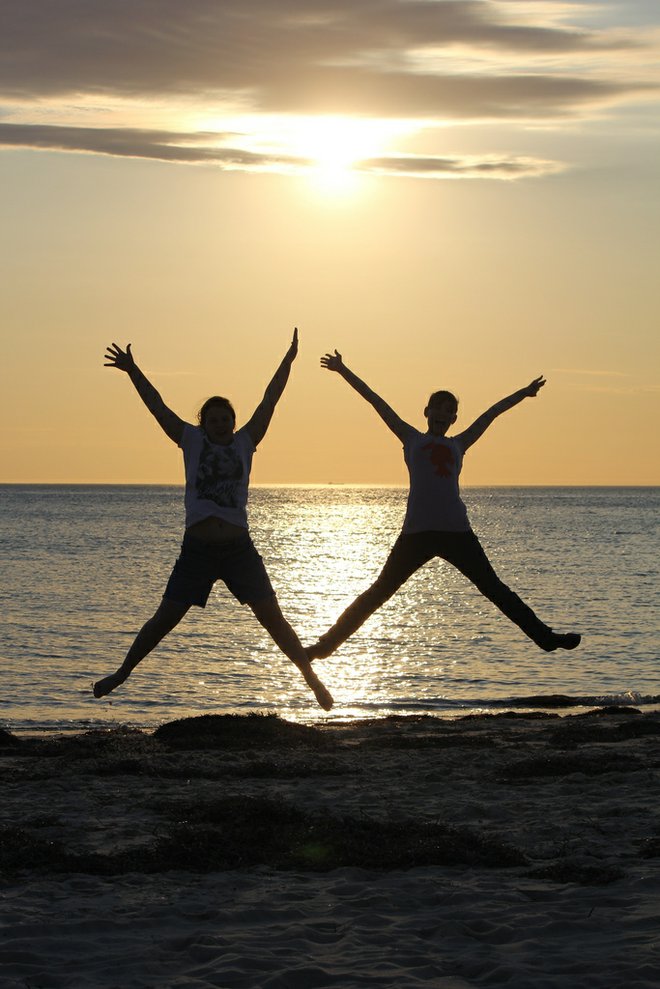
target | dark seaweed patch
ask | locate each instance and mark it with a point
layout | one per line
(242, 832)
(237, 731)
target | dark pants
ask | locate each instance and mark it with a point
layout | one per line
(410, 552)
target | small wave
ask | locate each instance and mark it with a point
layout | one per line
(629, 698)
(440, 707)
(545, 702)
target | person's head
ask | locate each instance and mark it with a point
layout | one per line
(441, 412)
(218, 419)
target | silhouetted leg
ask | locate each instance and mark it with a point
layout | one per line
(408, 554)
(167, 617)
(464, 551)
(268, 614)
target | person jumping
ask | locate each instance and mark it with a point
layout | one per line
(436, 523)
(216, 543)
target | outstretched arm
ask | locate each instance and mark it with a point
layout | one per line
(480, 425)
(166, 419)
(263, 413)
(334, 362)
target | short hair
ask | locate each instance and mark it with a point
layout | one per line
(210, 403)
(442, 396)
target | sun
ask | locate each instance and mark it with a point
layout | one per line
(334, 153)
(332, 148)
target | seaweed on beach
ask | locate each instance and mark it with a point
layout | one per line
(513, 715)
(237, 731)
(7, 740)
(405, 732)
(83, 745)
(114, 804)
(430, 741)
(243, 832)
(130, 751)
(585, 729)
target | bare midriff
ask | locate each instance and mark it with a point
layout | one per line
(215, 530)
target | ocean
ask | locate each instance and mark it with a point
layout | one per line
(85, 566)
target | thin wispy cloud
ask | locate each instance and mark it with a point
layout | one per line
(590, 372)
(605, 382)
(204, 148)
(437, 62)
(136, 143)
(469, 166)
(620, 390)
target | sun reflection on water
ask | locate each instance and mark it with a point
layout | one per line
(435, 646)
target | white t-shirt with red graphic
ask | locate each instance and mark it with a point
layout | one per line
(434, 502)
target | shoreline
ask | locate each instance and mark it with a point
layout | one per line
(556, 705)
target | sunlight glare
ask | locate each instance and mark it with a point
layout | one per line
(328, 150)
(334, 145)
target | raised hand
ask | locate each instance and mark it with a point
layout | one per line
(121, 359)
(332, 362)
(293, 349)
(533, 388)
(260, 419)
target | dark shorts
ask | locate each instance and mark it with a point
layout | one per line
(201, 563)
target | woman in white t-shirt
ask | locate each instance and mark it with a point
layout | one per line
(216, 543)
(436, 522)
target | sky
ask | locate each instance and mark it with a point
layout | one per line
(456, 194)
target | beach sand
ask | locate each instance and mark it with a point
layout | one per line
(510, 850)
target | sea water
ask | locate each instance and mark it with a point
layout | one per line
(84, 566)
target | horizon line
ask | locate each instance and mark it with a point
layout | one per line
(313, 484)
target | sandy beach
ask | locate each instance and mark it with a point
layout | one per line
(510, 850)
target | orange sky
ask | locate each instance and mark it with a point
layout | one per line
(451, 201)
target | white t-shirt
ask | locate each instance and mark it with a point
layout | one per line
(217, 476)
(434, 501)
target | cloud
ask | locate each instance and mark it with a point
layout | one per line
(619, 390)
(206, 148)
(468, 166)
(139, 72)
(339, 56)
(445, 96)
(591, 372)
(136, 143)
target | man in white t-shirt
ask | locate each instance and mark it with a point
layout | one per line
(216, 543)
(436, 522)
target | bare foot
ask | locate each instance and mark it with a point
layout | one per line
(321, 692)
(103, 687)
(323, 696)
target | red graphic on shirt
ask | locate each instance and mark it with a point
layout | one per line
(441, 457)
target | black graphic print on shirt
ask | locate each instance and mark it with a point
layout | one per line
(218, 474)
(441, 457)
